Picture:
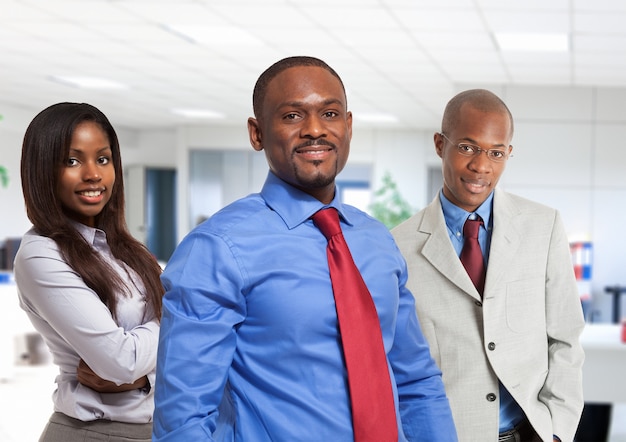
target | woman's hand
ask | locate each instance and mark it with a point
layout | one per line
(88, 378)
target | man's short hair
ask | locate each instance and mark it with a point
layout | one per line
(260, 88)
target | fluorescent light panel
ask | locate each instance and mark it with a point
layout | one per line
(214, 35)
(532, 42)
(88, 82)
(204, 114)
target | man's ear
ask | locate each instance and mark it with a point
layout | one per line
(439, 141)
(349, 122)
(254, 132)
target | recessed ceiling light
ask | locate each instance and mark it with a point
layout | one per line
(204, 114)
(532, 42)
(214, 35)
(88, 82)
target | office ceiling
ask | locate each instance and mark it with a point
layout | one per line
(400, 60)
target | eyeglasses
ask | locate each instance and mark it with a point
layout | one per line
(470, 150)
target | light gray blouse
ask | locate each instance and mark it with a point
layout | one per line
(76, 324)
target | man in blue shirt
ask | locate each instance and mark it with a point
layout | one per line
(250, 348)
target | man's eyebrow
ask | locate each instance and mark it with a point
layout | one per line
(472, 141)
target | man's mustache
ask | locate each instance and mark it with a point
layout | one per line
(318, 142)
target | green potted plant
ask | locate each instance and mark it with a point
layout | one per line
(389, 207)
(4, 176)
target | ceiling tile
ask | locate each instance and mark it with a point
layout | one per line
(607, 23)
(528, 21)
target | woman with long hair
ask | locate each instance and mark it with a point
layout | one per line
(89, 288)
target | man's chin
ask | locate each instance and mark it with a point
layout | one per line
(318, 179)
(319, 182)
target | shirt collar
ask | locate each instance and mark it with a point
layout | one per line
(92, 235)
(455, 216)
(293, 205)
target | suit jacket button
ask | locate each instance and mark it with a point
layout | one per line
(491, 397)
(491, 346)
(478, 303)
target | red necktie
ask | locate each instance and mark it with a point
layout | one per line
(471, 255)
(371, 395)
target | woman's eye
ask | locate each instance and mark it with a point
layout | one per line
(72, 162)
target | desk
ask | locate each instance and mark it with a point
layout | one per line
(604, 370)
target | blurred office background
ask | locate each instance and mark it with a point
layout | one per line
(176, 78)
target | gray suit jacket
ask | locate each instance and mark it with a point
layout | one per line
(524, 332)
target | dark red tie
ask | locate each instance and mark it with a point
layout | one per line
(371, 395)
(471, 255)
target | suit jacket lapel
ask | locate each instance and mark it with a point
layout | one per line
(505, 239)
(440, 253)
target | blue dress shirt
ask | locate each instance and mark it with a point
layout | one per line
(510, 412)
(249, 347)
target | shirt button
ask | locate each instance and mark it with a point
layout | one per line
(491, 397)
(491, 346)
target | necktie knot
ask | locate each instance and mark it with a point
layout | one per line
(472, 227)
(327, 220)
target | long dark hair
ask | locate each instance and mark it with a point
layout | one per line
(44, 152)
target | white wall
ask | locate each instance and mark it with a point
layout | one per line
(568, 154)
(13, 221)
